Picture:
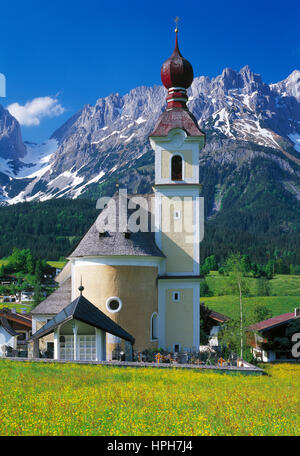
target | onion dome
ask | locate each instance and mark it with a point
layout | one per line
(177, 75)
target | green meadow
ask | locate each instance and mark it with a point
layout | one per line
(70, 400)
(284, 295)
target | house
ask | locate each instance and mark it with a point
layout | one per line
(265, 336)
(7, 336)
(146, 280)
(15, 328)
(8, 279)
(27, 296)
(217, 320)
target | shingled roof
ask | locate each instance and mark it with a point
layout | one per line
(112, 243)
(55, 302)
(177, 118)
(5, 324)
(274, 321)
(83, 310)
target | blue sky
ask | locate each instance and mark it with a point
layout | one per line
(77, 51)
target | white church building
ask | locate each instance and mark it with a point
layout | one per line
(141, 288)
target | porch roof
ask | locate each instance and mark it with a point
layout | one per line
(83, 310)
(7, 327)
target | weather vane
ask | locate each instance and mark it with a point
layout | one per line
(176, 20)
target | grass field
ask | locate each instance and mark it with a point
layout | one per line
(17, 306)
(57, 399)
(3, 261)
(281, 285)
(54, 264)
(229, 305)
(285, 295)
(57, 264)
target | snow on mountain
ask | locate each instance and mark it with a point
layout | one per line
(243, 117)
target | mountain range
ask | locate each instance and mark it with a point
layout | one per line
(249, 167)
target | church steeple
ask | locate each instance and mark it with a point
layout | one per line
(177, 75)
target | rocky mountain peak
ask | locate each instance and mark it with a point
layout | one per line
(243, 118)
(11, 144)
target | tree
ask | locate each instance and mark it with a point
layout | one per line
(206, 323)
(210, 264)
(204, 289)
(17, 259)
(246, 263)
(262, 287)
(260, 313)
(38, 272)
(29, 263)
(237, 284)
(231, 337)
(37, 296)
(269, 269)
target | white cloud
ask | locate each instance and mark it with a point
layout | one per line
(33, 111)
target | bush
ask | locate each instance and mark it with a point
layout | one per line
(205, 290)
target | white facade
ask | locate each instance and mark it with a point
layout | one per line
(79, 342)
(6, 339)
(179, 223)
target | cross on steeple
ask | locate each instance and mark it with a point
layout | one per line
(176, 20)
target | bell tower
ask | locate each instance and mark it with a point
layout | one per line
(177, 141)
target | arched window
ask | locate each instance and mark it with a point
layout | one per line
(176, 168)
(154, 326)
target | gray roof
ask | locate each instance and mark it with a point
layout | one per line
(115, 243)
(5, 324)
(55, 302)
(83, 310)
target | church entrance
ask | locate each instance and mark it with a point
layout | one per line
(85, 347)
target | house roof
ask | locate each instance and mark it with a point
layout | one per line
(274, 321)
(218, 316)
(23, 319)
(55, 302)
(5, 324)
(83, 310)
(113, 242)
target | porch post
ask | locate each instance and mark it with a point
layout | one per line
(75, 330)
(36, 351)
(100, 345)
(103, 337)
(56, 343)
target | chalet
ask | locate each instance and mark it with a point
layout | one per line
(265, 335)
(8, 279)
(217, 320)
(27, 296)
(15, 328)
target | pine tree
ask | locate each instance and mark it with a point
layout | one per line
(30, 263)
(37, 297)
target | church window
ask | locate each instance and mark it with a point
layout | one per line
(114, 304)
(154, 326)
(177, 215)
(176, 168)
(176, 348)
(176, 296)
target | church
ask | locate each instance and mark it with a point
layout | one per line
(137, 289)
